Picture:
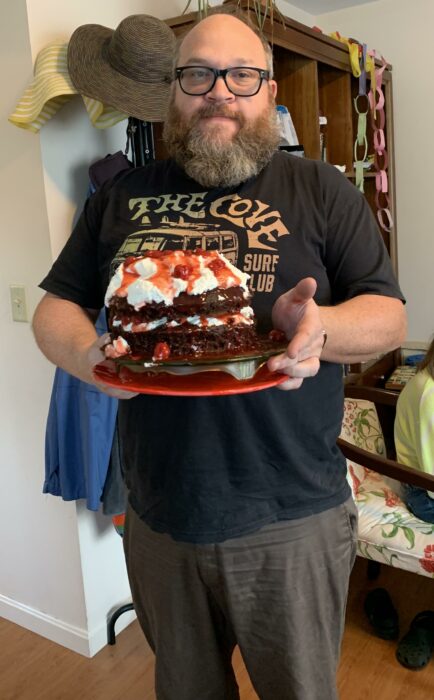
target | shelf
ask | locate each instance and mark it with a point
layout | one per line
(351, 174)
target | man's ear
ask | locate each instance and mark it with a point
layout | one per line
(273, 87)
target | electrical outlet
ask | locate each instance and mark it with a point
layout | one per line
(18, 302)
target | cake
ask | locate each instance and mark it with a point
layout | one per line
(179, 304)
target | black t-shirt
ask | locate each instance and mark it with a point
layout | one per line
(204, 469)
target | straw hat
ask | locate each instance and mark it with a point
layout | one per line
(48, 91)
(129, 68)
(51, 88)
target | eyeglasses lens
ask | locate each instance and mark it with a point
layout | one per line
(240, 81)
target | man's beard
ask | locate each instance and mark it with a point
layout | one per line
(214, 160)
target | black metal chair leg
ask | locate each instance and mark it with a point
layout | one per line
(111, 637)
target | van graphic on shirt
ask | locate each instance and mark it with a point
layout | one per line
(181, 236)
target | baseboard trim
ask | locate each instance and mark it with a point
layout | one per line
(86, 643)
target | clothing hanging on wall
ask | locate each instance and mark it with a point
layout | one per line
(78, 439)
(106, 168)
(140, 137)
(82, 459)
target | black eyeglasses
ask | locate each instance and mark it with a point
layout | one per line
(242, 81)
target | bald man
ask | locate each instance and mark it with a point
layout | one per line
(240, 528)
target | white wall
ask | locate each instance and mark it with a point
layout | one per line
(402, 32)
(295, 13)
(39, 550)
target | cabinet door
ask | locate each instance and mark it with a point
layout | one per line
(297, 80)
(334, 89)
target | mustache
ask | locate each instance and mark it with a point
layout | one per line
(218, 111)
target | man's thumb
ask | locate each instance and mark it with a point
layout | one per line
(303, 290)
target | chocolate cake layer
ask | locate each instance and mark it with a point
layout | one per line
(216, 301)
(190, 341)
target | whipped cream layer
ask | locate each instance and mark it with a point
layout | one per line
(245, 317)
(161, 276)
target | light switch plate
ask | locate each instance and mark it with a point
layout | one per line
(18, 302)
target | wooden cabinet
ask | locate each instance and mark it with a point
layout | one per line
(376, 375)
(314, 76)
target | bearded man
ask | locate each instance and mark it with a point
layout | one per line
(241, 529)
(216, 140)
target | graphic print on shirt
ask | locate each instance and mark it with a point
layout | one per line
(246, 231)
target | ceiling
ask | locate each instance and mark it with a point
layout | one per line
(320, 7)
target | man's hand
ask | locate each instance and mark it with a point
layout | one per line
(297, 315)
(94, 356)
(65, 332)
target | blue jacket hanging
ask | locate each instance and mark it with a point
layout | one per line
(81, 420)
(79, 436)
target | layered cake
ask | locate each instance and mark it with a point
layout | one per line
(179, 304)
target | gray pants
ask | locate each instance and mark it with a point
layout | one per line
(279, 593)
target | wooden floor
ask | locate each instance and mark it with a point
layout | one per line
(32, 668)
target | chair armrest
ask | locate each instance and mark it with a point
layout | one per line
(388, 467)
(371, 393)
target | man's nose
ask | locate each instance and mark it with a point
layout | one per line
(220, 92)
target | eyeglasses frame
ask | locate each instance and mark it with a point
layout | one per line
(222, 73)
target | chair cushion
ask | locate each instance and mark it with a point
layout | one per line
(387, 531)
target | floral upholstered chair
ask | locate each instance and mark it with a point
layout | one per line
(388, 532)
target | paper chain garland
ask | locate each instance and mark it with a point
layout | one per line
(363, 62)
(381, 159)
(361, 139)
(374, 102)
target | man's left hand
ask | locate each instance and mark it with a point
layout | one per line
(297, 315)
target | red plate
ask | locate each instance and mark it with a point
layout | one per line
(212, 383)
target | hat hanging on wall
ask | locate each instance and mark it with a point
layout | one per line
(129, 68)
(50, 88)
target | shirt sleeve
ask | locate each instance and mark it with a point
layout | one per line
(75, 274)
(357, 260)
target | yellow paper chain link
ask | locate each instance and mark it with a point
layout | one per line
(353, 49)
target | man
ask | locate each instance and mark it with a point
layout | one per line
(241, 529)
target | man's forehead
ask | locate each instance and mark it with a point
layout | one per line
(205, 57)
(225, 34)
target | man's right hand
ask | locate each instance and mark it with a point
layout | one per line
(65, 333)
(95, 355)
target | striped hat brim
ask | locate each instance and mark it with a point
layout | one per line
(102, 116)
(49, 89)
